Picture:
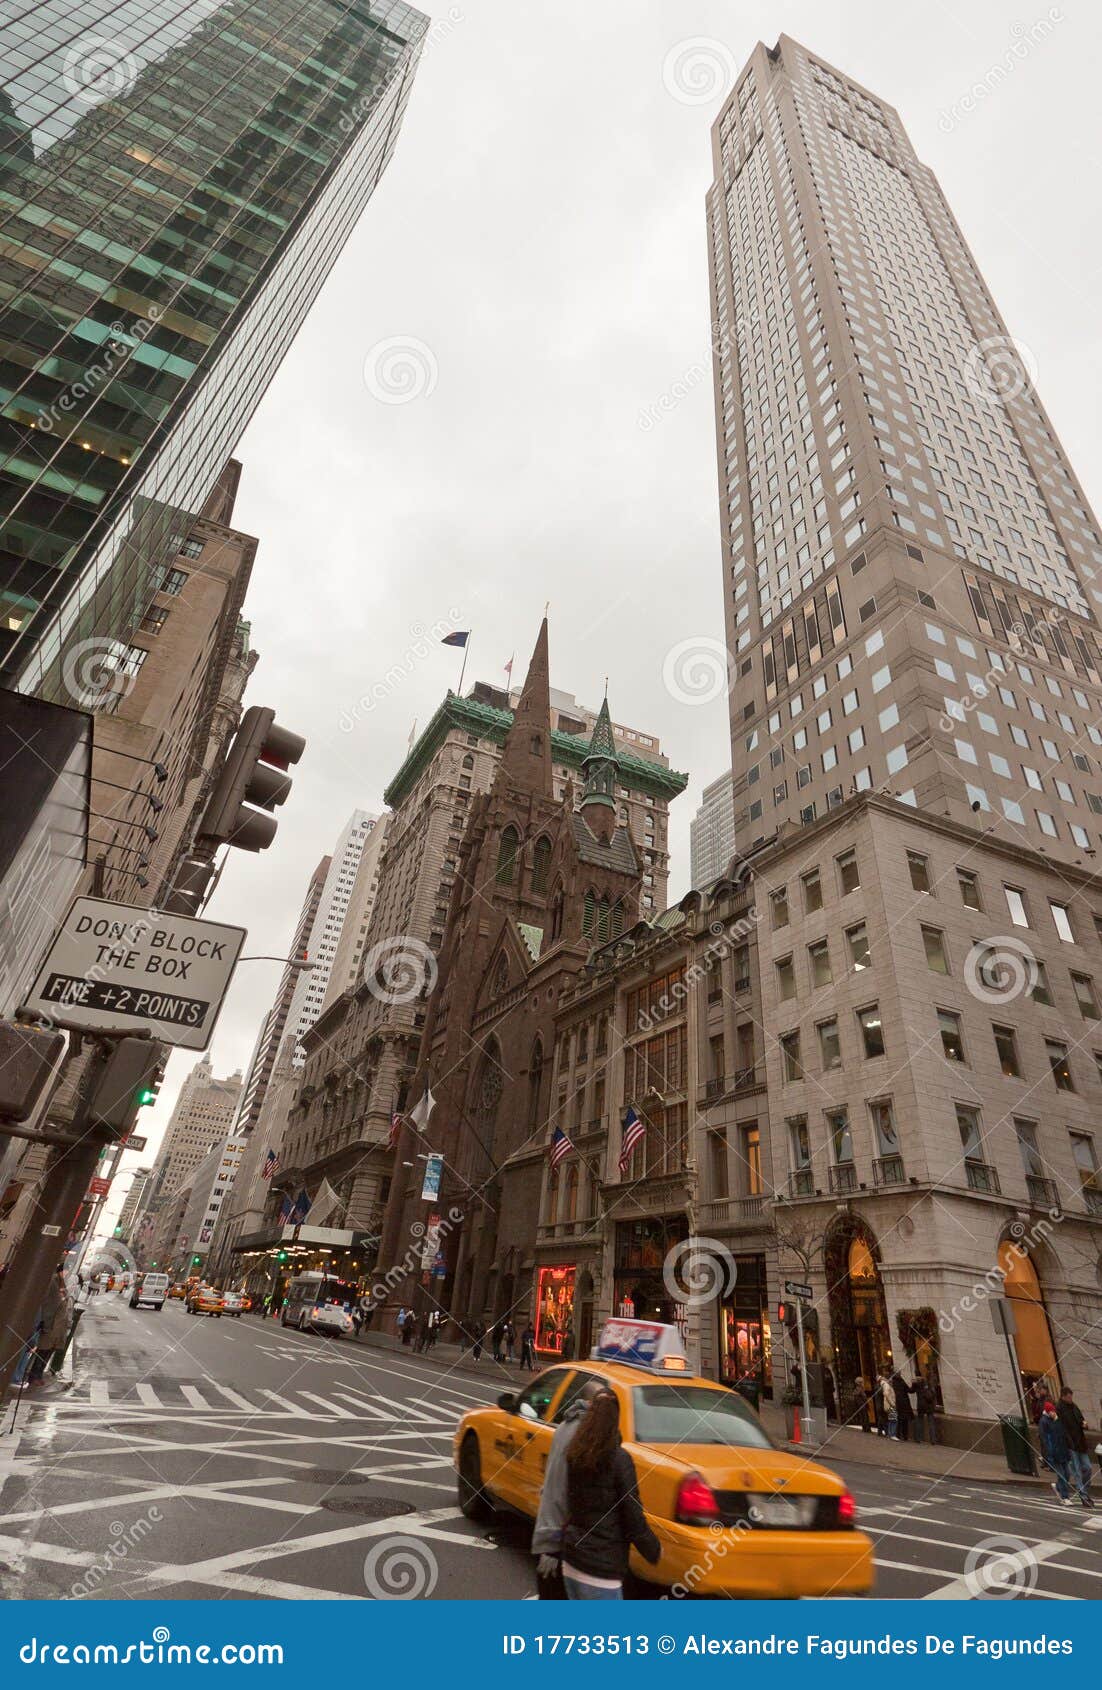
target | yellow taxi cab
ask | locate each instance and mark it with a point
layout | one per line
(177, 1292)
(204, 1300)
(735, 1515)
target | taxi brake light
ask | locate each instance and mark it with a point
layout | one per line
(696, 1502)
(847, 1509)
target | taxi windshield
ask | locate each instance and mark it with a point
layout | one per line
(694, 1414)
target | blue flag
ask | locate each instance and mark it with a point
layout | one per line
(456, 639)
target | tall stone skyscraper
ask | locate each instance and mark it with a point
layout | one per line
(910, 572)
(890, 479)
(178, 182)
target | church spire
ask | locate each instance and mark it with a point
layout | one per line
(600, 767)
(526, 758)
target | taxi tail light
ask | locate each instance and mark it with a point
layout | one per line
(696, 1502)
(847, 1509)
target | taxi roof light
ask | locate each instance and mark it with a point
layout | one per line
(651, 1345)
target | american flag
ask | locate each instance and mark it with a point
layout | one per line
(395, 1129)
(634, 1129)
(560, 1146)
(271, 1164)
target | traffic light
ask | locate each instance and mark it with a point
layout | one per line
(128, 1083)
(281, 1257)
(253, 780)
(195, 1260)
(28, 1057)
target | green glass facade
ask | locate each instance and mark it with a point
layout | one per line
(176, 181)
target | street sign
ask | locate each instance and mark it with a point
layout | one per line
(134, 1142)
(99, 1187)
(803, 1292)
(117, 968)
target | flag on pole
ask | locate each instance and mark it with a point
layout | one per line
(419, 1116)
(285, 1209)
(634, 1129)
(459, 638)
(300, 1208)
(325, 1204)
(271, 1164)
(509, 668)
(395, 1130)
(559, 1147)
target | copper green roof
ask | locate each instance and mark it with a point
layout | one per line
(490, 723)
(603, 743)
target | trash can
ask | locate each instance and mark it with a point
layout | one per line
(750, 1389)
(1016, 1445)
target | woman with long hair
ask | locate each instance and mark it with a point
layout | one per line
(604, 1517)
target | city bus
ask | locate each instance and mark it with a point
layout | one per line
(320, 1302)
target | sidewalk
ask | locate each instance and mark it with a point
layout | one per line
(844, 1443)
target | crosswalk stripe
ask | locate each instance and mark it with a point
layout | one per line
(98, 1394)
(364, 1406)
(233, 1397)
(329, 1407)
(149, 1396)
(287, 1407)
(194, 1397)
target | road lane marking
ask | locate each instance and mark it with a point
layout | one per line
(234, 1398)
(194, 1397)
(966, 1588)
(428, 1523)
(98, 1395)
(329, 1407)
(365, 1407)
(149, 1396)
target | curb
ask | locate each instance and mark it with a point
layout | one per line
(1008, 1478)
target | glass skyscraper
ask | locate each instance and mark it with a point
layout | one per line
(177, 178)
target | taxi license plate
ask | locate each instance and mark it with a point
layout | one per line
(781, 1510)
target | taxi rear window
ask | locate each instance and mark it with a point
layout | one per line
(694, 1414)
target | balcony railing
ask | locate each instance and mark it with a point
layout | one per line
(742, 984)
(735, 1211)
(715, 1087)
(889, 1170)
(1092, 1197)
(982, 1177)
(1042, 1191)
(802, 1183)
(843, 1176)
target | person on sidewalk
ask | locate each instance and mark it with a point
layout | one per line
(479, 1338)
(1070, 1416)
(1054, 1449)
(79, 1304)
(497, 1338)
(528, 1349)
(925, 1410)
(55, 1318)
(884, 1406)
(510, 1337)
(604, 1517)
(901, 1398)
(551, 1518)
(830, 1395)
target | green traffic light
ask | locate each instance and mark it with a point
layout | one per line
(146, 1095)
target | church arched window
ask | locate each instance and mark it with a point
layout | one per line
(589, 911)
(617, 919)
(602, 920)
(541, 865)
(507, 856)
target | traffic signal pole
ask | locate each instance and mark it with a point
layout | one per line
(60, 1195)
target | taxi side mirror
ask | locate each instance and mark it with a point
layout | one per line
(507, 1400)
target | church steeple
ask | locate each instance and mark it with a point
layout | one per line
(526, 758)
(601, 766)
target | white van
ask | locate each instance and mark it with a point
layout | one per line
(151, 1288)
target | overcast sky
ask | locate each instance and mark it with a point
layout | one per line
(538, 244)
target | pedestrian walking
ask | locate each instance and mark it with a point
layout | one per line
(925, 1410)
(528, 1349)
(54, 1327)
(901, 1402)
(830, 1394)
(884, 1406)
(510, 1341)
(479, 1335)
(1070, 1416)
(552, 1515)
(1054, 1449)
(1036, 1397)
(405, 1320)
(604, 1517)
(497, 1338)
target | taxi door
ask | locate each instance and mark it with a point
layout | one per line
(522, 1438)
(533, 1453)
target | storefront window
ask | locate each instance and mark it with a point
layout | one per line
(554, 1307)
(745, 1337)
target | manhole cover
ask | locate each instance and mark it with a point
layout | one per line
(368, 1507)
(330, 1476)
